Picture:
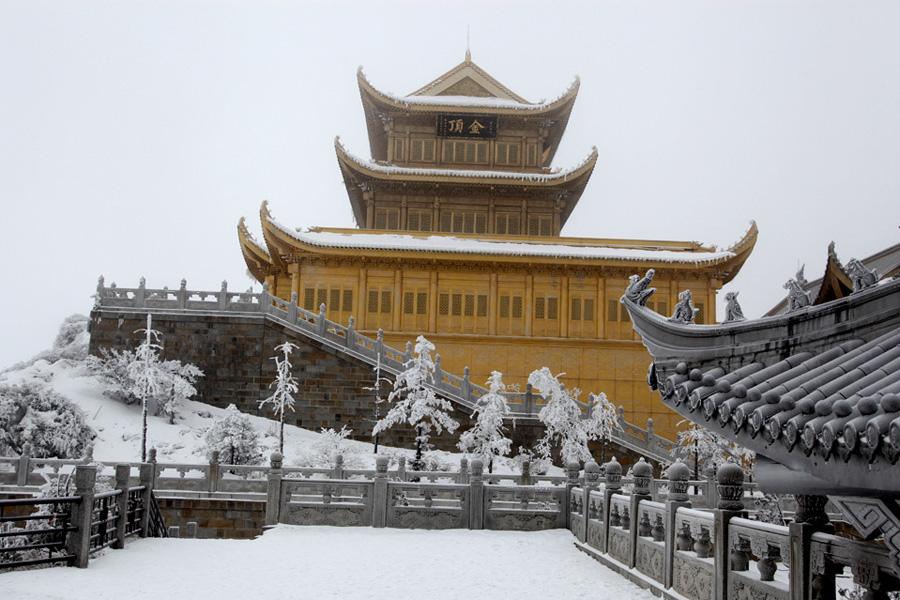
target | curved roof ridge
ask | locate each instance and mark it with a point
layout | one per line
(452, 244)
(248, 237)
(519, 105)
(557, 175)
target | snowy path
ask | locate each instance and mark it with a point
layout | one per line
(324, 563)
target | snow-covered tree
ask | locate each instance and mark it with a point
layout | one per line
(235, 439)
(707, 447)
(34, 413)
(415, 403)
(486, 440)
(143, 377)
(564, 423)
(147, 374)
(285, 387)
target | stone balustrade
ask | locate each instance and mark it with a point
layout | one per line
(649, 530)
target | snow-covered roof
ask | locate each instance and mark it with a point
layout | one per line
(417, 100)
(451, 244)
(555, 176)
(815, 389)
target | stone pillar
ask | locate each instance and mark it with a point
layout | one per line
(642, 472)
(379, 494)
(401, 468)
(730, 491)
(78, 542)
(123, 474)
(572, 471)
(613, 472)
(591, 483)
(148, 481)
(526, 473)
(23, 469)
(678, 475)
(809, 519)
(476, 495)
(338, 471)
(273, 492)
(212, 483)
(463, 471)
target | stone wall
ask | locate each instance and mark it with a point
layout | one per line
(235, 352)
(231, 519)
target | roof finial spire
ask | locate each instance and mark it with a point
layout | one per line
(468, 52)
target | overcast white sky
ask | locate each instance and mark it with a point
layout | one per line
(133, 136)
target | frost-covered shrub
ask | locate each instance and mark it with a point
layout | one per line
(324, 452)
(436, 461)
(117, 373)
(36, 414)
(235, 438)
(536, 464)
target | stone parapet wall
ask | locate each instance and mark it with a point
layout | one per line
(235, 352)
(215, 518)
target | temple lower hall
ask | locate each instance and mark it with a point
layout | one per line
(459, 237)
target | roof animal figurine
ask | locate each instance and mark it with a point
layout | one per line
(733, 311)
(797, 297)
(639, 290)
(861, 277)
(684, 310)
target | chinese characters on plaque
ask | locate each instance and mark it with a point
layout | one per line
(467, 126)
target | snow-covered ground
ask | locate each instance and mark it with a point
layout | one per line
(330, 562)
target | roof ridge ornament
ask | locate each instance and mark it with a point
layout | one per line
(861, 277)
(639, 290)
(684, 310)
(733, 310)
(797, 297)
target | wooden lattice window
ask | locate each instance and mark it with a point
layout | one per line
(422, 151)
(465, 152)
(387, 218)
(540, 225)
(419, 220)
(463, 222)
(507, 154)
(338, 300)
(507, 224)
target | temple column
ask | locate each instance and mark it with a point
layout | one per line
(492, 218)
(294, 270)
(370, 210)
(600, 309)
(523, 218)
(433, 302)
(492, 307)
(529, 301)
(397, 308)
(404, 210)
(564, 306)
(360, 320)
(436, 215)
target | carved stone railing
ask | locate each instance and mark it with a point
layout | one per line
(524, 406)
(660, 542)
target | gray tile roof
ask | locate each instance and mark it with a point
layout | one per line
(821, 394)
